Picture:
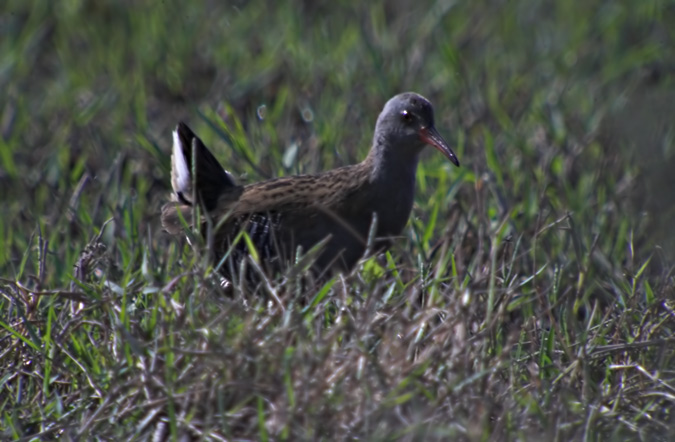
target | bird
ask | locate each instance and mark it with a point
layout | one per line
(338, 209)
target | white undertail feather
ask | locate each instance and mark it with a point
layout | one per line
(231, 177)
(181, 170)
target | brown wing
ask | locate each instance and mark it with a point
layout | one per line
(280, 215)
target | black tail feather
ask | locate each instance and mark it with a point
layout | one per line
(211, 180)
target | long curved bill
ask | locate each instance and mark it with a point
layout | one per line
(431, 136)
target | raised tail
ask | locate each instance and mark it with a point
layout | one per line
(211, 182)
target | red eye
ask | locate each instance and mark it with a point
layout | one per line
(406, 116)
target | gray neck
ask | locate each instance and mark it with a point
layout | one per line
(392, 177)
(393, 165)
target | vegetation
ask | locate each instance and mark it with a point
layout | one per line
(532, 297)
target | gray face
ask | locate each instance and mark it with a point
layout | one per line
(407, 122)
(404, 115)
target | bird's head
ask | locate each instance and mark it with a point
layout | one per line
(407, 122)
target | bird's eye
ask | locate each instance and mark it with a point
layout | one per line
(406, 116)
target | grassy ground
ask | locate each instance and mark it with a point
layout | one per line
(532, 296)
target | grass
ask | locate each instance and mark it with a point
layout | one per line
(532, 296)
